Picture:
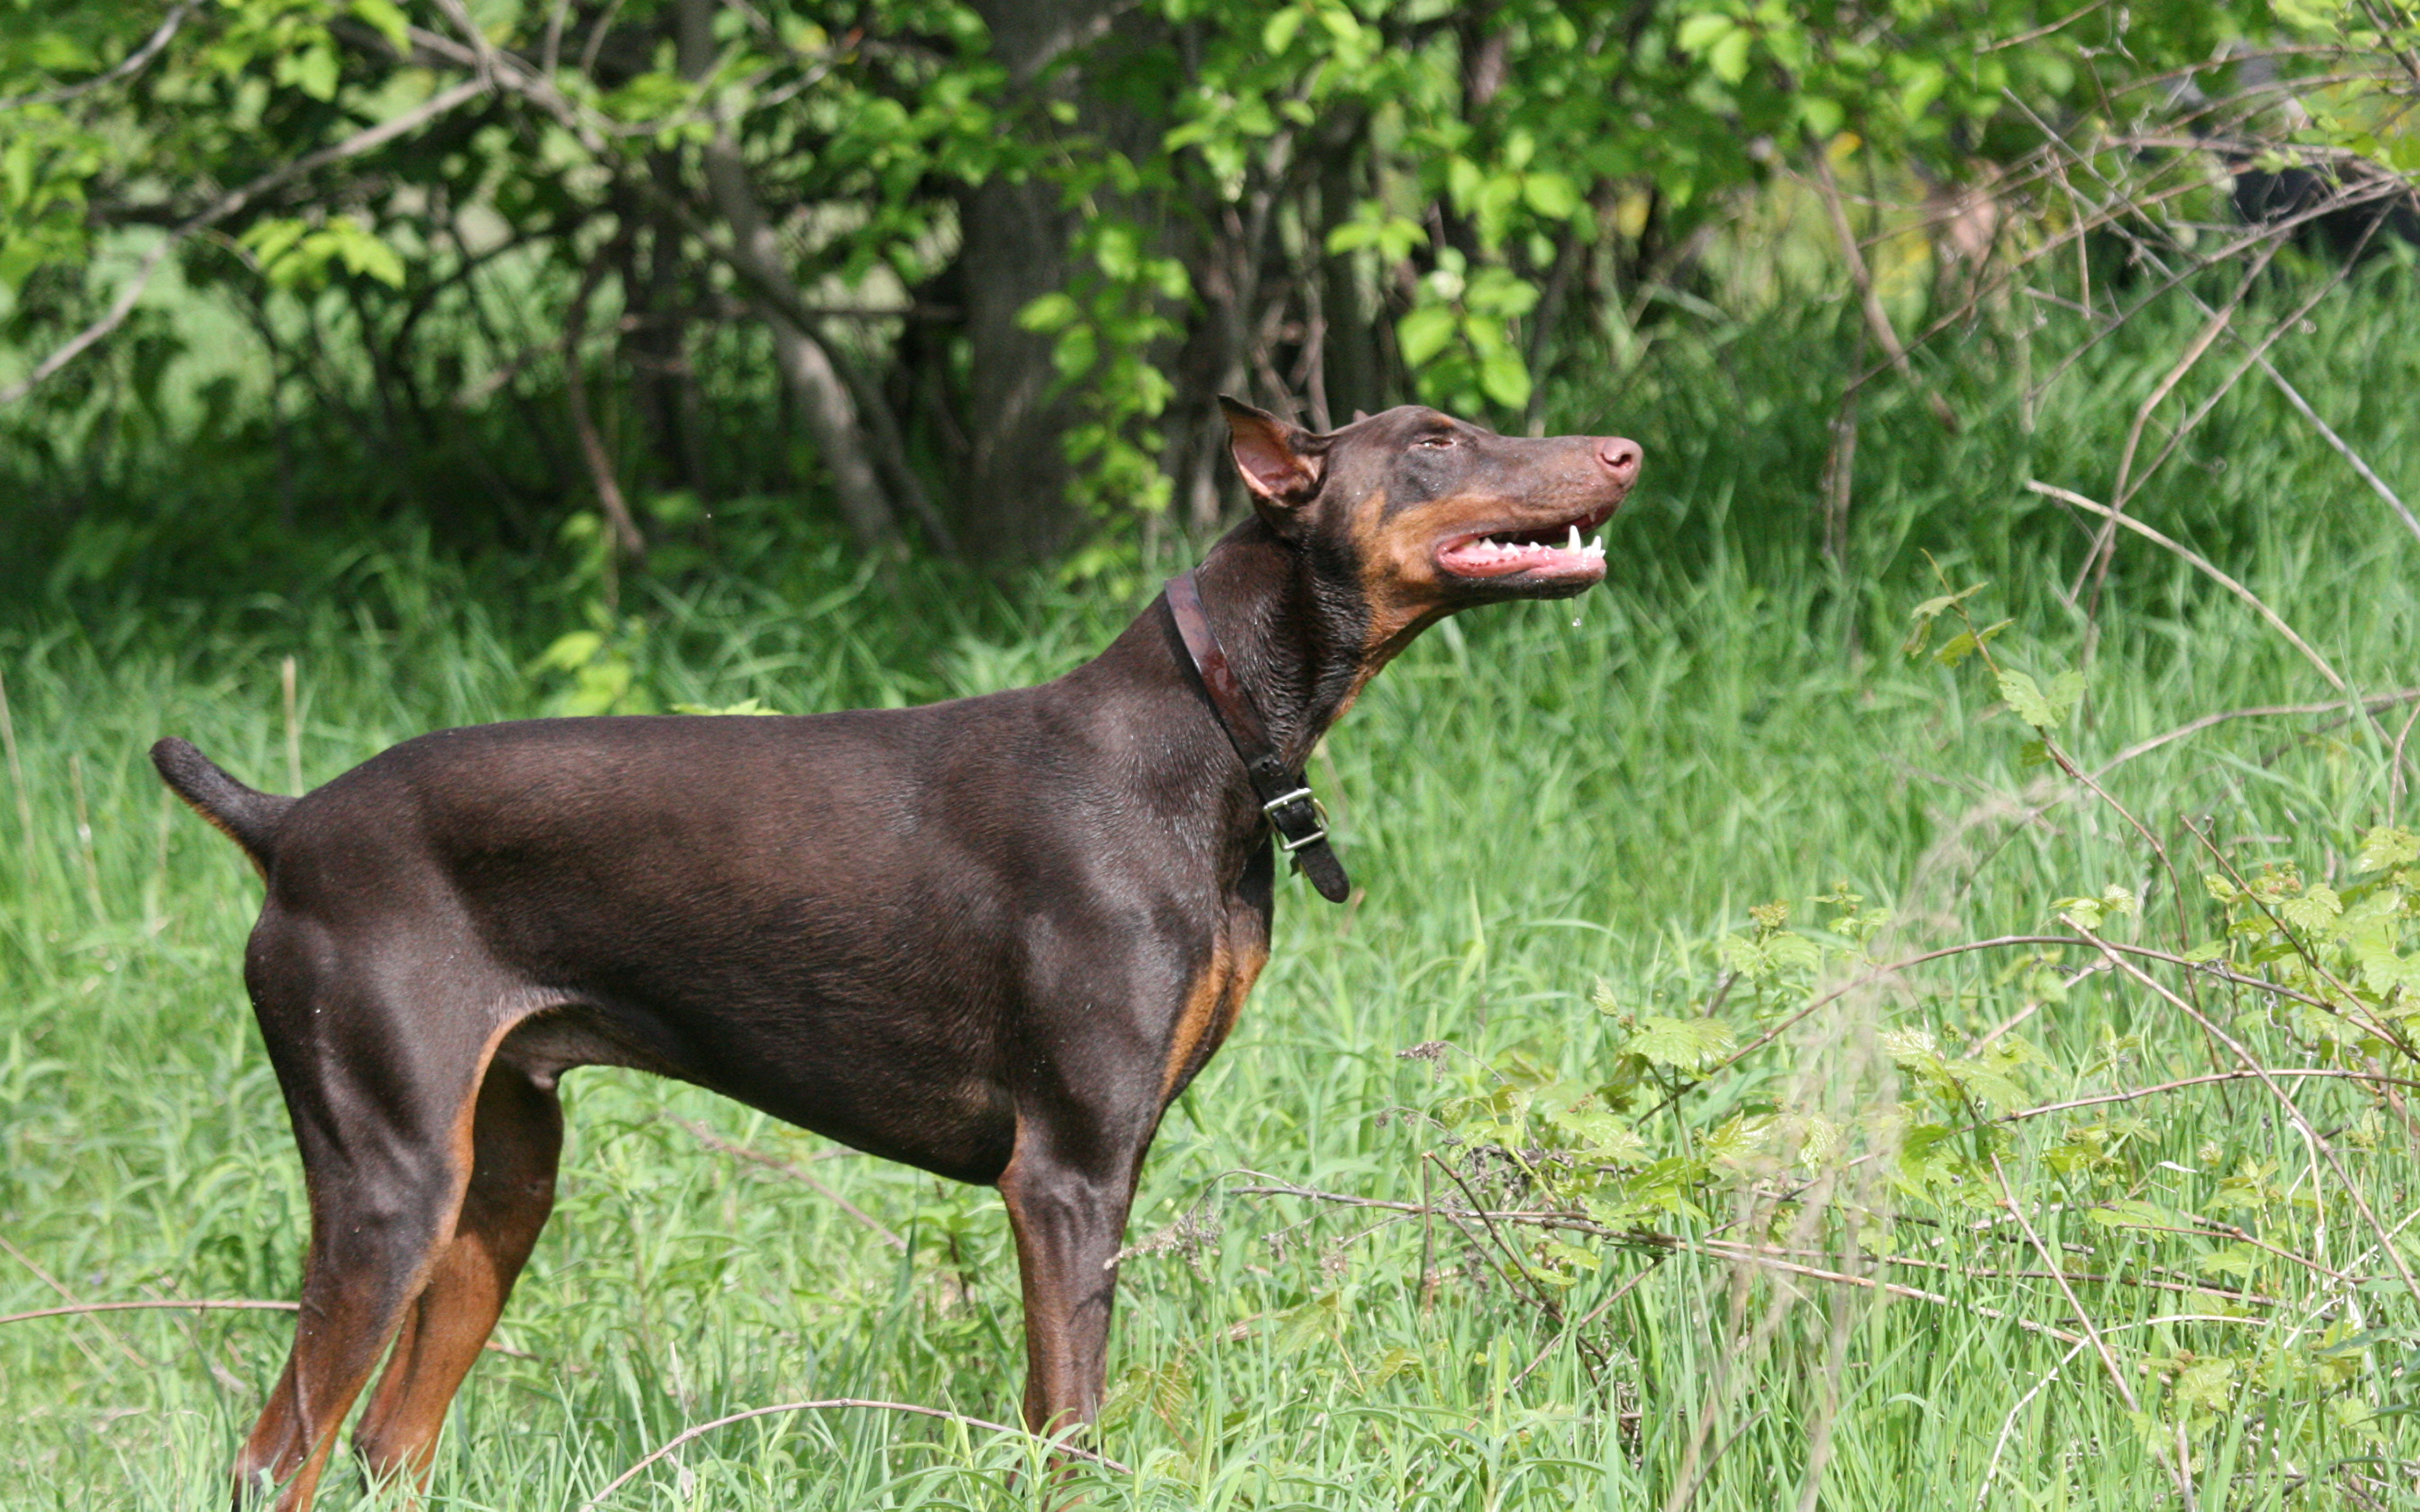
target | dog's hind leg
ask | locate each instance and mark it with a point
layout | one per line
(516, 1136)
(381, 1057)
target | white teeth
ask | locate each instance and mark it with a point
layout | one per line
(1596, 547)
(1574, 545)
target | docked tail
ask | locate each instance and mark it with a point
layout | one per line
(247, 817)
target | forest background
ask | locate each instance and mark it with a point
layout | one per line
(1906, 995)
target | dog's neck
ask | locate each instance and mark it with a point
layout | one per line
(1291, 630)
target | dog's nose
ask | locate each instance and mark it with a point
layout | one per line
(1621, 457)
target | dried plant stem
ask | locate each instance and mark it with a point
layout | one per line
(1667, 1244)
(76, 1307)
(286, 682)
(239, 1304)
(2199, 563)
(2008, 1424)
(84, 847)
(17, 785)
(221, 1304)
(2075, 1303)
(829, 1404)
(1870, 300)
(2370, 704)
(2135, 1094)
(1536, 1291)
(2096, 562)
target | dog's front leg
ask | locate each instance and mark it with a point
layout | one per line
(1069, 1213)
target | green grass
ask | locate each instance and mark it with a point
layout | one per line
(1535, 808)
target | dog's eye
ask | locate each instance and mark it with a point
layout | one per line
(1446, 438)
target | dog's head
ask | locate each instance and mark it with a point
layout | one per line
(1429, 513)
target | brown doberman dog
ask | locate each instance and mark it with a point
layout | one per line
(993, 938)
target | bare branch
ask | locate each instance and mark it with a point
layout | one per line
(1877, 319)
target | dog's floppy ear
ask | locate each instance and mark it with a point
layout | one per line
(1281, 462)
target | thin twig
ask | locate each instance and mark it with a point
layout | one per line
(713, 1141)
(1537, 1291)
(1670, 1243)
(2134, 1094)
(1893, 1288)
(1878, 320)
(17, 783)
(1992, 1467)
(829, 1403)
(220, 1305)
(610, 501)
(1594, 1313)
(2096, 561)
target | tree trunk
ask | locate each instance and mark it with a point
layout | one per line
(825, 404)
(1015, 504)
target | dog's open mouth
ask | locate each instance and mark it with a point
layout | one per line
(1555, 553)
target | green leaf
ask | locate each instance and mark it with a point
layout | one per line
(571, 652)
(361, 250)
(1565, 1251)
(2314, 910)
(312, 69)
(2130, 1213)
(748, 705)
(1505, 378)
(1967, 642)
(388, 19)
(1683, 1044)
(1423, 333)
(2066, 692)
(1551, 194)
(1699, 32)
(2387, 846)
(1728, 57)
(1277, 33)
(2044, 711)
(1051, 312)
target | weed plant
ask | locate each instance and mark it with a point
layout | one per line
(1601, 1153)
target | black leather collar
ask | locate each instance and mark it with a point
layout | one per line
(1301, 824)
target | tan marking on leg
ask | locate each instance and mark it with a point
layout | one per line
(1240, 971)
(516, 1141)
(332, 1358)
(1201, 1007)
